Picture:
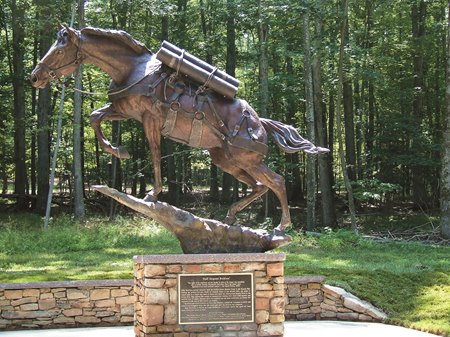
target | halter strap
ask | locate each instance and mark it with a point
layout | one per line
(52, 72)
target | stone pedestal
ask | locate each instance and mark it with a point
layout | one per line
(157, 294)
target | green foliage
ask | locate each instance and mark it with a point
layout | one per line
(373, 190)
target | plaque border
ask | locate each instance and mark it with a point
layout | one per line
(252, 281)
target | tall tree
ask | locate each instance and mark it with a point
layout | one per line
(445, 165)
(340, 99)
(310, 125)
(418, 17)
(347, 91)
(18, 8)
(227, 180)
(43, 112)
(325, 169)
(79, 208)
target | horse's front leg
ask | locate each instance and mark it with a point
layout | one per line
(153, 133)
(107, 113)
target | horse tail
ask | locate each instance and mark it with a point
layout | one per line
(288, 139)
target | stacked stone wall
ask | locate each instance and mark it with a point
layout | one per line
(310, 299)
(111, 302)
(66, 304)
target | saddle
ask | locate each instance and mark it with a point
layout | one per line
(174, 76)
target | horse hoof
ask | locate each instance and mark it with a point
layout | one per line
(278, 231)
(122, 153)
(229, 220)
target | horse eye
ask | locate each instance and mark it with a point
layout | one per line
(65, 34)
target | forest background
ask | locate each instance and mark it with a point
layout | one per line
(368, 75)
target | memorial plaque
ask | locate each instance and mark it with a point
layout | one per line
(215, 298)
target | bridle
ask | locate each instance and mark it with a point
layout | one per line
(53, 72)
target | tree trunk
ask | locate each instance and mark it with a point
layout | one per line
(445, 165)
(79, 208)
(310, 127)
(263, 62)
(214, 180)
(20, 177)
(418, 16)
(325, 172)
(340, 99)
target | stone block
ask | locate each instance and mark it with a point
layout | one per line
(293, 290)
(105, 303)
(231, 268)
(154, 283)
(125, 300)
(152, 314)
(75, 294)
(263, 286)
(29, 307)
(262, 316)
(46, 304)
(31, 292)
(310, 292)
(355, 304)
(192, 268)
(173, 295)
(24, 300)
(277, 305)
(333, 291)
(262, 303)
(252, 266)
(327, 307)
(275, 269)
(269, 330)
(156, 296)
(45, 296)
(347, 316)
(13, 294)
(173, 269)
(328, 314)
(126, 319)
(119, 292)
(100, 294)
(152, 270)
(170, 314)
(279, 318)
(105, 313)
(72, 312)
(212, 268)
(87, 319)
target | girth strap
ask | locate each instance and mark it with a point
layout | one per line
(195, 138)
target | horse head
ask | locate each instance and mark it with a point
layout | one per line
(63, 58)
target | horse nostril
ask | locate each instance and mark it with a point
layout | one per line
(34, 78)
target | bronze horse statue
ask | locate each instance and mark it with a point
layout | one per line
(169, 104)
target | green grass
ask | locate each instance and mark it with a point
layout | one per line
(409, 281)
(66, 251)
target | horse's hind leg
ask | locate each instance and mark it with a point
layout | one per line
(219, 159)
(276, 183)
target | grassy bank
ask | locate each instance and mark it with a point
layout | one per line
(409, 281)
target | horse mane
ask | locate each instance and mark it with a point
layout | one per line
(119, 35)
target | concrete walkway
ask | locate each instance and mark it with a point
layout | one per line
(292, 329)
